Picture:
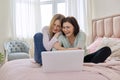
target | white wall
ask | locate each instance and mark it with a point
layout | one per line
(101, 8)
(4, 22)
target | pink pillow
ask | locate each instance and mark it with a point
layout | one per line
(92, 47)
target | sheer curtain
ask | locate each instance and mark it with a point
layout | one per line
(88, 20)
(76, 8)
(26, 18)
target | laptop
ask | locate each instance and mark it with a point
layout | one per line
(63, 60)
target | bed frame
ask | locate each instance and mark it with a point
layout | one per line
(106, 27)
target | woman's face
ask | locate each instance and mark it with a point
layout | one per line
(68, 29)
(56, 26)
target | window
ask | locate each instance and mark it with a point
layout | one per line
(49, 8)
(30, 16)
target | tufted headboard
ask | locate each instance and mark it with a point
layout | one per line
(106, 27)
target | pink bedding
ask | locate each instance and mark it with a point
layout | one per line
(26, 69)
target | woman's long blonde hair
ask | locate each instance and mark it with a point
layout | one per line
(55, 17)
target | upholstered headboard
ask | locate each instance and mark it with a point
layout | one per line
(106, 27)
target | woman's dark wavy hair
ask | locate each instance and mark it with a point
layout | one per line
(72, 21)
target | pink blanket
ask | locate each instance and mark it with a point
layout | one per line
(27, 69)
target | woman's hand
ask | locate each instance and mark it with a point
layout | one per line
(57, 45)
(57, 34)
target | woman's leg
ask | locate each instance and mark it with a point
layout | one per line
(89, 57)
(101, 55)
(98, 56)
(38, 47)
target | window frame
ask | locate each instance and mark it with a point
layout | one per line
(53, 3)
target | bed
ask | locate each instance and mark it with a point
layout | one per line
(103, 29)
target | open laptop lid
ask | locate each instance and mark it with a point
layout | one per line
(58, 61)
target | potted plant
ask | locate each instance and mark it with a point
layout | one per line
(1, 58)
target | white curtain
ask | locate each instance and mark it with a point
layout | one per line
(28, 23)
(76, 8)
(88, 20)
(31, 16)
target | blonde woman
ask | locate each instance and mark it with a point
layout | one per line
(45, 40)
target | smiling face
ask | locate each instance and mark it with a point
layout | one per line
(56, 26)
(68, 29)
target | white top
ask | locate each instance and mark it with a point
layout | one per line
(48, 44)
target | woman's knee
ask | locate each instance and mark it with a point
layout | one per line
(38, 36)
(107, 49)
